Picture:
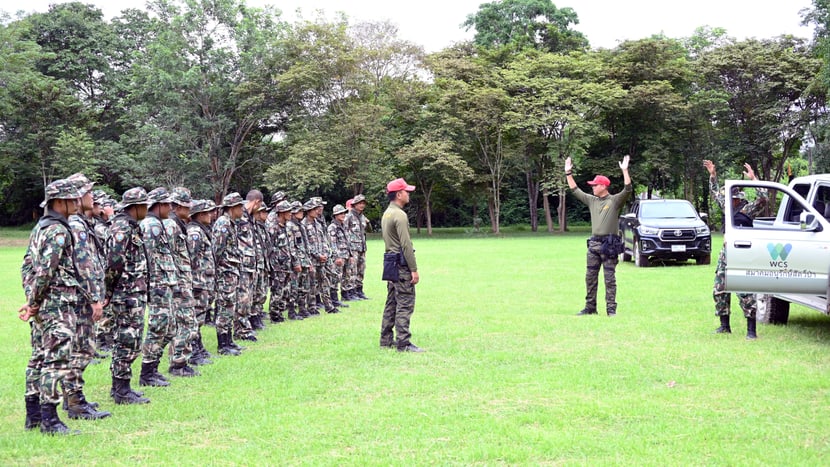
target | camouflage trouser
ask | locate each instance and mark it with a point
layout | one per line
(129, 326)
(201, 301)
(161, 325)
(83, 349)
(359, 270)
(105, 327)
(299, 288)
(280, 292)
(242, 318)
(349, 271)
(609, 267)
(334, 273)
(722, 298)
(260, 292)
(227, 285)
(400, 304)
(320, 287)
(187, 327)
(53, 333)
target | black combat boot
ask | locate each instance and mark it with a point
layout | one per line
(359, 293)
(724, 326)
(32, 412)
(183, 370)
(223, 342)
(335, 301)
(586, 311)
(78, 407)
(122, 393)
(292, 313)
(750, 329)
(256, 322)
(346, 295)
(150, 375)
(51, 424)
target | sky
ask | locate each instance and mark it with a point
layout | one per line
(435, 24)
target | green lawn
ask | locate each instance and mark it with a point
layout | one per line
(510, 376)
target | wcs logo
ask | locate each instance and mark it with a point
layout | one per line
(779, 254)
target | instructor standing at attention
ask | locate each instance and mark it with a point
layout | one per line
(399, 269)
(604, 245)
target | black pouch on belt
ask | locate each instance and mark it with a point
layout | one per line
(390, 267)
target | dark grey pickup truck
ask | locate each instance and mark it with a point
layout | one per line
(664, 230)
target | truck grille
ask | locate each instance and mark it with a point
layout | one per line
(677, 235)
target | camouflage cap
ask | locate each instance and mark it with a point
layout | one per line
(212, 205)
(181, 196)
(296, 206)
(61, 189)
(232, 199)
(99, 196)
(201, 205)
(132, 196)
(262, 207)
(309, 205)
(109, 202)
(277, 197)
(319, 201)
(81, 182)
(358, 199)
(158, 195)
(338, 209)
(283, 206)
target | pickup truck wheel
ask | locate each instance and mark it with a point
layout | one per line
(641, 261)
(704, 259)
(778, 311)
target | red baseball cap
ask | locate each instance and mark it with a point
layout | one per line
(600, 180)
(398, 184)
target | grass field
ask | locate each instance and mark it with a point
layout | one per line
(510, 376)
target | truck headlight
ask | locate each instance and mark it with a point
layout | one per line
(703, 230)
(645, 230)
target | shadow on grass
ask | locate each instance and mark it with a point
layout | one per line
(815, 326)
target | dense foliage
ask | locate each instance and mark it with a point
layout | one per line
(218, 96)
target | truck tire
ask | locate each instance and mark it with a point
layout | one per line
(778, 311)
(624, 256)
(704, 259)
(641, 261)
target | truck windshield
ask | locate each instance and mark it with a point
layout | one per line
(667, 210)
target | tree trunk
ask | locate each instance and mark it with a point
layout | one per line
(428, 213)
(494, 222)
(546, 207)
(533, 200)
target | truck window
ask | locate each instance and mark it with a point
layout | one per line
(822, 200)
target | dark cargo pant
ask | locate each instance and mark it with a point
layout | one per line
(400, 304)
(128, 313)
(161, 324)
(608, 263)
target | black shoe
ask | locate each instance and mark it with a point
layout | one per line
(249, 337)
(150, 375)
(724, 326)
(750, 329)
(123, 394)
(199, 360)
(612, 312)
(50, 423)
(586, 311)
(359, 293)
(410, 348)
(332, 311)
(32, 412)
(183, 370)
(78, 407)
(388, 345)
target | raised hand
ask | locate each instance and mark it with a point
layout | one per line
(748, 172)
(710, 166)
(624, 162)
(569, 165)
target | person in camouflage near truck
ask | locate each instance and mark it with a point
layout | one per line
(744, 213)
(163, 279)
(89, 262)
(126, 280)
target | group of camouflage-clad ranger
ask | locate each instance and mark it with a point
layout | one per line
(93, 265)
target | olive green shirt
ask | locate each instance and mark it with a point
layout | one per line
(395, 228)
(605, 212)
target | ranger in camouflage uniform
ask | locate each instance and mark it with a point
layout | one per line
(53, 293)
(339, 240)
(332, 277)
(242, 326)
(126, 280)
(163, 278)
(744, 213)
(280, 258)
(298, 244)
(356, 224)
(102, 213)
(318, 249)
(228, 259)
(203, 266)
(187, 328)
(605, 211)
(89, 262)
(263, 266)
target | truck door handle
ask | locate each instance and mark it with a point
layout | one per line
(742, 244)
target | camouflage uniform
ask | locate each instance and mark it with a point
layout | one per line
(280, 261)
(200, 246)
(104, 326)
(300, 286)
(242, 327)
(184, 313)
(263, 268)
(318, 246)
(126, 280)
(163, 278)
(356, 224)
(228, 257)
(721, 297)
(339, 241)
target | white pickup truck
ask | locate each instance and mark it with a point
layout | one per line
(785, 258)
